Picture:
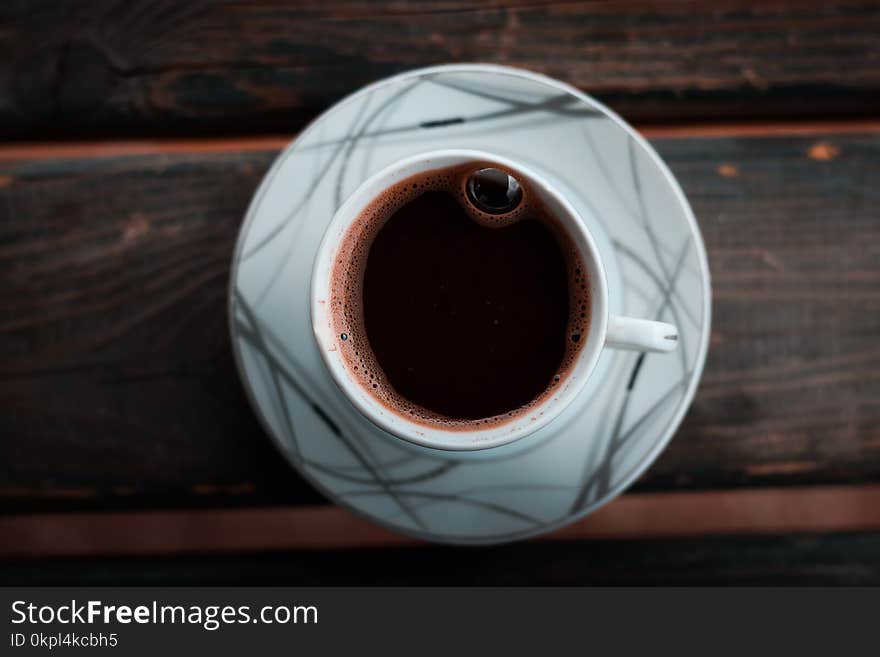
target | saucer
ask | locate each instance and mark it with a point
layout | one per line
(650, 245)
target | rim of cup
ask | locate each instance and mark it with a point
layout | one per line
(456, 438)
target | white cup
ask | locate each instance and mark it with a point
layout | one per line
(605, 330)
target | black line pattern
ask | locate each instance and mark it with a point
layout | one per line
(469, 493)
(408, 481)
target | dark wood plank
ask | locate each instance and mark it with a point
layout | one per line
(107, 291)
(119, 68)
(793, 374)
(117, 388)
(834, 559)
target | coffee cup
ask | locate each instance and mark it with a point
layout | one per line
(604, 330)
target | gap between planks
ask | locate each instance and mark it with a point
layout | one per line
(116, 148)
(813, 510)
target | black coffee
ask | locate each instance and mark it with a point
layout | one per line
(454, 317)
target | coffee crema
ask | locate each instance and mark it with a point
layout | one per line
(451, 317)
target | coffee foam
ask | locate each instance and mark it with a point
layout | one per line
(347, 274)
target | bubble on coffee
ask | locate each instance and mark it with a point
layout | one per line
(453, 316)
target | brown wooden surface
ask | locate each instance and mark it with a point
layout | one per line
(105, 67)
(133, 136)
(634, 516)
(118, 390)
(820, 559)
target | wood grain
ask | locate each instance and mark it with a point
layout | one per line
(117, 387)
(159, 67)
(819, 559)
(750, 512)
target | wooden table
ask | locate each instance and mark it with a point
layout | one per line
(134, 135)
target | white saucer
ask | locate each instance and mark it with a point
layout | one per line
(651, 247)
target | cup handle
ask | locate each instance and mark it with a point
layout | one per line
(640, 334)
